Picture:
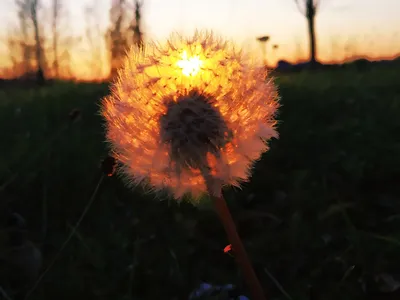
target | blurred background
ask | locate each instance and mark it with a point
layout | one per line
(82, 39)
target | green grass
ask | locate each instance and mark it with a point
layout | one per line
(322, 208)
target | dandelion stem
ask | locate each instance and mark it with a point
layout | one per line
(238, 249)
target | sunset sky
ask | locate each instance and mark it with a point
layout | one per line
(344, 27)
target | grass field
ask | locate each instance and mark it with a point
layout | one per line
(321, 214)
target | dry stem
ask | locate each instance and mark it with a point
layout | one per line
(242, 259)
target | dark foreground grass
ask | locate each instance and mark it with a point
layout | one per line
(321, 214)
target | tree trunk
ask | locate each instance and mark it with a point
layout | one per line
(39, 73)
(311, 32)
(137, 32)
(310, 14)
(55, 37)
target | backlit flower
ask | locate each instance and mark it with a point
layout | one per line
(185, 106)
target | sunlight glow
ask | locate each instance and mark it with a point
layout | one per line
(190, 65)
(149, 83)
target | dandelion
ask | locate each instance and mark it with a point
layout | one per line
(187, 108)
(190, 116)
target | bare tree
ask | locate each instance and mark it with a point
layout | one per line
(117, 35)
(56, 9)
(14, 53)
(25, 42)
(61, 40)
(136, 26)
(309, 9)
(125, 30)
(30, 46)
(34, 5)
(21, 44)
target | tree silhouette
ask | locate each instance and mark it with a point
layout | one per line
(124, 31)
(26, 42)
(20, 42)
(62, 41)
(34, 4)
(56, 9)
(117, 35)
(309, 9)
(136, 26)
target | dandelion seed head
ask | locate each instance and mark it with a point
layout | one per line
(192, 128)
(187, 104)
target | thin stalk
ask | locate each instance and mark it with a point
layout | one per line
(68, 239)
(238, 249)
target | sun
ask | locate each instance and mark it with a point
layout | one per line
(190, 65)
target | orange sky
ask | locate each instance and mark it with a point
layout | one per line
(344, 27)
